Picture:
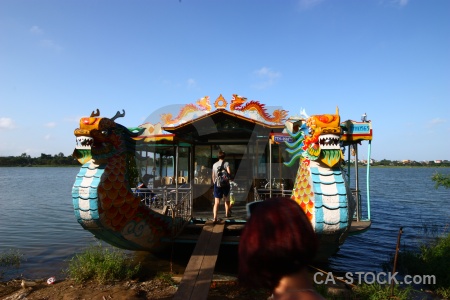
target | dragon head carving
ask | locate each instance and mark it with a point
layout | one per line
(323, 141)
(100, 138)
(318, 139)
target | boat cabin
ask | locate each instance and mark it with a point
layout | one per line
(178, 153)
(175, 155)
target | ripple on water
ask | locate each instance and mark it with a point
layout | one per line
(36, 217)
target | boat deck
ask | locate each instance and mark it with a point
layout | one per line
(233, 225)
(360, 227)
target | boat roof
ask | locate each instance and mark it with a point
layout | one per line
(222, 125)
(240, 120)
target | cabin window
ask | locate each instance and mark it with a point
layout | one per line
(203, 164)
(183, 165)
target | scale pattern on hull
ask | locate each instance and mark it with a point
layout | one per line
(331, 204)
(320, 187)
(102, 198)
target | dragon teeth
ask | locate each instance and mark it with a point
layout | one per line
(329, 141)
(84, 142)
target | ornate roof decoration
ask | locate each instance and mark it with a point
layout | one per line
(253, 110)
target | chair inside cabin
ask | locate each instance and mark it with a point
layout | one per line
(181, 180)
(166, 180)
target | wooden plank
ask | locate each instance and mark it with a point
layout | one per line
(198, 274)
(205, 276)
(189, 279)
(235, 227)
(193, 238)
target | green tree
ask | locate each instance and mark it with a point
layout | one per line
(384, 162)
(441, 180)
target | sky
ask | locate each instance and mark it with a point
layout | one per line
(390, 59)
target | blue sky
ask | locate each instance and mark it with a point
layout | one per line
(60, 60)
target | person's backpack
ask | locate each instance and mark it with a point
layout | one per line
(223, 178)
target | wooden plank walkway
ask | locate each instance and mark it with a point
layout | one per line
(200, 269)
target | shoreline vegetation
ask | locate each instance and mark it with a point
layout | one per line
(102, 273)
(45, 160)
(60, 160)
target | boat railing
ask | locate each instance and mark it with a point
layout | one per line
(170, 201)
(178, 201)
(178, 204)
(266, 193)
(362, 207)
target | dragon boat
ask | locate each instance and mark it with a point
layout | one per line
(270, 154)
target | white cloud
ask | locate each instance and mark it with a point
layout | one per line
(49, 44)
(265, 72)
(36, 30)
(45, 43)
(307, 4)
(50, 124)
(191, 83)
(402, 2)
(267, 77)
(166, 82)
(436, 122)
(72, 119)
(394, 3)
(6, 123)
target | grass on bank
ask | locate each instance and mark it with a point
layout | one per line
(368, 292)
(431, 258)
(106, 265)
(381, 292)
(102, 265)
(10, 259)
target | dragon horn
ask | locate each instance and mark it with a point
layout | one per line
(95, 114)
(337, 110)
(119, 115)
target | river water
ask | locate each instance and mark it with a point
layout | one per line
(36, 217)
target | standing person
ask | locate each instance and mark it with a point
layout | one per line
(275, 248)
(220, 192)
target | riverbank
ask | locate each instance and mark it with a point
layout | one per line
(157, 288)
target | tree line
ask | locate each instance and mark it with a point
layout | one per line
(25, 160)
(396, 163)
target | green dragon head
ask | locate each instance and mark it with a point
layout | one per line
(323, 141)
(317, 139)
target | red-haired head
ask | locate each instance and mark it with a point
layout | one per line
(277, 240)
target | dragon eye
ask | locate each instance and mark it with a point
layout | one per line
(105, 132)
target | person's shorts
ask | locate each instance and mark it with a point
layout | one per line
(220, 192)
